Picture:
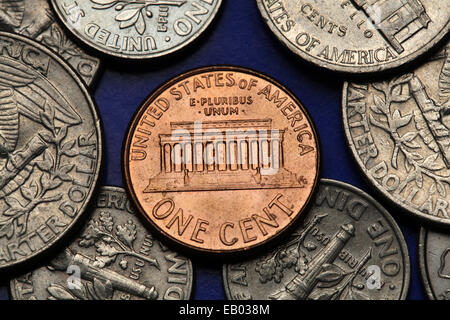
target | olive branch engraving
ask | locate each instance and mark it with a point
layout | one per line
(391, 121)
(111, 243)
(133, 12)
(52, 174)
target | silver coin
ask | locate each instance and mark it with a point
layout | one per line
(50, 149)
(434, 260)
(347, 248)
(136, 29)
(357, 36)
(35, 19)
(113, 258)
(398, 131)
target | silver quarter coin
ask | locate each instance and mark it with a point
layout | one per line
(35, 19)
(50, 149)
(357, 36)
(136, 29)
(434, 259)
(398, 131)
(347, 248)
(113, 258)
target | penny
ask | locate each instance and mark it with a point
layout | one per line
(221, 159)
(35, 19)
(434, 259)
(50, 149)
(398, 131)
(348, 247)
(137, 29)
(113, 258)
(357, 36)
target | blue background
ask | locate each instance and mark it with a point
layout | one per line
(238, 37)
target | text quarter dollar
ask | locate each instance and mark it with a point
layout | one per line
(398, 131)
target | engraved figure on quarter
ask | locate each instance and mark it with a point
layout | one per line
(433, 114)
(399, 132)
(11, 13)
(15, 86)
(50, 149)
(56, 116)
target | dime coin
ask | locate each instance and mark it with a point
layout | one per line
(434, 258)
(347, 248)
(221, 159)
(137, 29)
(50, 149)
(357, 36)
(114, 258)
(35, 19)
(398, 131)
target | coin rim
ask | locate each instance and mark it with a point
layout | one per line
(172, 50)
(428, 218)
(98, 125)
(111, 188)
(421, 250)
(353, 70)
(387, 216)
(164, 87)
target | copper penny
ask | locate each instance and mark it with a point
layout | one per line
(221, 159)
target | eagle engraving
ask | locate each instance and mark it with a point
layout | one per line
(11, 13)
(24, 92)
